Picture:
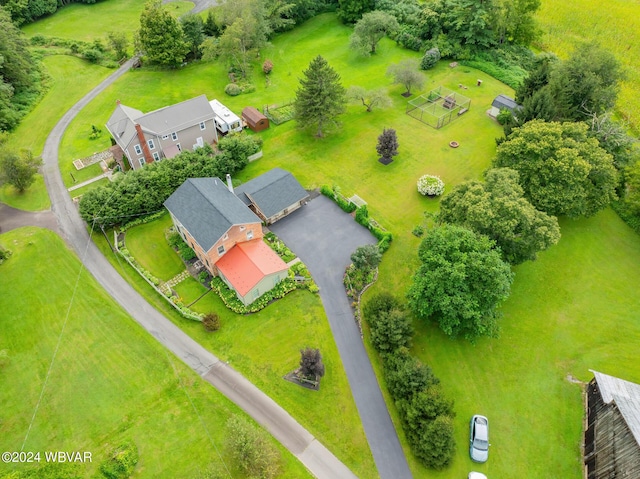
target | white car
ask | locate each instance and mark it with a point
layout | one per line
(479, 438)
(477, 475)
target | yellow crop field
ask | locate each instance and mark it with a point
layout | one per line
(614, 24)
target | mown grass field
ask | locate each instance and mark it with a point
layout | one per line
(89, 22)
(575, 308)
(110, 381)
(614, 25)
(266, 346)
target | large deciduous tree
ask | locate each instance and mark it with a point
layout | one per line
(320, 98)
(370, 29)
(350, 11)
(497, 209)
(563, 172)
(460, 283)
(407, 73)
(18, 170)
(160, 37)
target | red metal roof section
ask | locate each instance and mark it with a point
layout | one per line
(246, 264)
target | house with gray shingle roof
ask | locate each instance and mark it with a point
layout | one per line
(224, 227)
(163, 133)
(272, 195)
(612, 432)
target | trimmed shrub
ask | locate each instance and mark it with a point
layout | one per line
(211, 321)
(405, 375)
(362, 216)
(430, 58)
(232, 89)
(430, 185)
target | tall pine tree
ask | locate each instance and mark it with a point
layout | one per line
(320, 98)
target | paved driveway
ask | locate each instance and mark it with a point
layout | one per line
(323, 236)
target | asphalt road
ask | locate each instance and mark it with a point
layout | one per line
(321, 462)
(324, 237)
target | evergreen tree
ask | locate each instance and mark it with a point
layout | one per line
(160, 37)
(210, 27)
(193, 29)
(320, 98)
(387, 146)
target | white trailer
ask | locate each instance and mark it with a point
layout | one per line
(226, 121)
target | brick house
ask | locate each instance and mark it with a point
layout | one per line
(226, 236)
(164, 133)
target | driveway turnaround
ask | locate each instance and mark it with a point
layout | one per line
(324, 237)
(11, 218)
(322, 463)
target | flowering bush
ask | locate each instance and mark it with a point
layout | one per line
(430, 185)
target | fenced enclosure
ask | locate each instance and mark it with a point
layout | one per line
(278, 114)
(439, 107)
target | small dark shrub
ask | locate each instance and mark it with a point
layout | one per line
(311, 365)
(418, 231)
(121, 461)
(203, 276)
(211, 322)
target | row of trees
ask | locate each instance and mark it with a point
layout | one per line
(143, 191)
(427, 415)
(454, 24)
(26, 11)
(20, 75)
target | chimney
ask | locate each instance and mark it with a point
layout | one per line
(143, 144)
(229, 184)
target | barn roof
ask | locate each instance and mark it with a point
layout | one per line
(207, 209)
(503, 101)
(625, 395)
(252, 115)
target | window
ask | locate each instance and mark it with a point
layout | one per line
(138, 150)
(225, 237)
(152, 145)
(203, 126)
(174, 136)
(178, 146)
(221, 250)
(165, 137)
(156, 156)
(249, 234)
(141, 161)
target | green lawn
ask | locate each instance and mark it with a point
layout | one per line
(70, 79)
(266, 346)
(615, 27)
(575, 308)
(110, 380)
(88, 22)
(35, 198)
(155, 254)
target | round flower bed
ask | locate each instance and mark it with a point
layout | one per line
(429, 185)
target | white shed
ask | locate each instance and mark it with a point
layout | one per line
(226, 121)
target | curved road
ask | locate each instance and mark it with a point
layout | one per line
(322, 463)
